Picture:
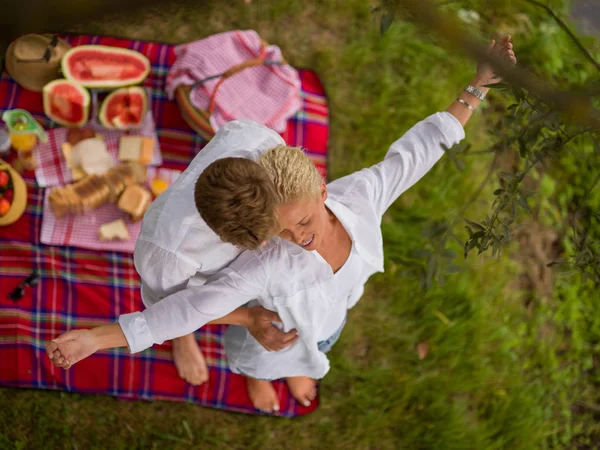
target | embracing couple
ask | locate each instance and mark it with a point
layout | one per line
(250, 236)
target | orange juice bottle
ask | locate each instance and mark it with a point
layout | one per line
(23, 131)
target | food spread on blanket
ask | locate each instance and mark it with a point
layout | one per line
(98, 179)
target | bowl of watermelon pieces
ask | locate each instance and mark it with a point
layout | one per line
(13, 194)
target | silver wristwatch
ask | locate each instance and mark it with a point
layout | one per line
(475, 92)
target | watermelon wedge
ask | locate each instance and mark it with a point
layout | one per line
(66, 103)
(100, 66)
(124, 108)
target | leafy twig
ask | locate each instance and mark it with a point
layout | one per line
(566, 29)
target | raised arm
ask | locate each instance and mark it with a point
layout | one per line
(415, 153)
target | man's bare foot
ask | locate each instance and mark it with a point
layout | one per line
(189, 360)
(303, 389)
(262, 395)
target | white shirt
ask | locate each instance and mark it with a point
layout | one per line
(295, 283)
(343, 283)
(176, 248)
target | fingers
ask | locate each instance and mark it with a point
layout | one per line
(278, 340)
(270, 316)
(505, 41)
(50, 349)
(290, 337)
(68, 336)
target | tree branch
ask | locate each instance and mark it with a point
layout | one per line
(575, 106)
(566, 29)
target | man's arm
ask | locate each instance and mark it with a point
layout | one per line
(75, 345)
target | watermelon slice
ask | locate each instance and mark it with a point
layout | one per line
(66, 103)
(100, 66)
(124, 108)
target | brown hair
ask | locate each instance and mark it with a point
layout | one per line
(237, 200)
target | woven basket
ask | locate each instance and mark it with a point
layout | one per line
(199, 119)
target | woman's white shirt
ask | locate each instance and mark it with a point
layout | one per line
(344, 281)
(295, 283)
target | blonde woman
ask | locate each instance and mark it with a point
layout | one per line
(329, 244)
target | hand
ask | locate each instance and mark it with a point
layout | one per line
(268, 335)
(71, 347)
(504, 50)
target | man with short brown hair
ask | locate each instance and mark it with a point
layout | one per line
(242, 214)
(179, 248)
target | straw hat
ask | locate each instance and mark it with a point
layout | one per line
(34, 75)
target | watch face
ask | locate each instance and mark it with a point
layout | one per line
(476, 92)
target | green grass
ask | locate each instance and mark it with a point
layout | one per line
(505, 367)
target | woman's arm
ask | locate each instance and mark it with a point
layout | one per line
(417, 151)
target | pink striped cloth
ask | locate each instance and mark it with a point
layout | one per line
(52, 169)
(267, 94)
(82, 231)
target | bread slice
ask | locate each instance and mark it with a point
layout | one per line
(92, 155)
(147, 151)
(111, 231)
(130, 148)
(76, 172)
(136, 149)
(135, 201)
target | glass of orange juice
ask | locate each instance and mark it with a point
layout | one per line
(24, 131)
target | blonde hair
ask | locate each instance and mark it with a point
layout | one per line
(294, 175)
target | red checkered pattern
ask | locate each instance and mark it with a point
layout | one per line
(267, 94)
(82, 288)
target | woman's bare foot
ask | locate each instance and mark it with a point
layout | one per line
(303, 389)
(189, 360)
(262, 395)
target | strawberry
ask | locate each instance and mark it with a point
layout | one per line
(4, 178)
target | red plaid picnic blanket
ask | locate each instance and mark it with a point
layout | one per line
(84, 288)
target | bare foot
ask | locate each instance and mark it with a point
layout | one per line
(303, 389)
(189, 361)
(262, 395)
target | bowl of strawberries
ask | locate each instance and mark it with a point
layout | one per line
(13, 194)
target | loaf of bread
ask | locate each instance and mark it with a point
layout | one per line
(95, 190)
